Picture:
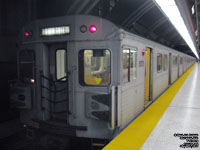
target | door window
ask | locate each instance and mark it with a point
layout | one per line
(61, 65)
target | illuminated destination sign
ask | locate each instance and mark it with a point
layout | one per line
(62, 30)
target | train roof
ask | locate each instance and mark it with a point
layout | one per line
(75, 24)
(105, 30)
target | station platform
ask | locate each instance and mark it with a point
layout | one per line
(172, 122)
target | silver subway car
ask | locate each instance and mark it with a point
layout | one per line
(83, 76)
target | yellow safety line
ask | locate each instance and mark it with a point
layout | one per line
(134, 136)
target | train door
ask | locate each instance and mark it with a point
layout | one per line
(149, 76)
(58, 80)
(170, 67)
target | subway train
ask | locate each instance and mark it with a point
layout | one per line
(83, 76)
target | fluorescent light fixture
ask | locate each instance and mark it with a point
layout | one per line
(171, 10)
(192, 9)
(63, 30)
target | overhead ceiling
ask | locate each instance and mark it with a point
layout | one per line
(140, 17)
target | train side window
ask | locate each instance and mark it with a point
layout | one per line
(96, 65)
(61, 65)
(165, 63)
(133, 65)
(26, 66)
(126, 63)
(181, 60)
(129, 65)
(159, 62)
(175, 60)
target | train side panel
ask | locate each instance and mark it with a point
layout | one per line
(131, 93)
(83, 104)
(161, 71)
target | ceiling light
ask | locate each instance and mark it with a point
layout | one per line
(171, 10)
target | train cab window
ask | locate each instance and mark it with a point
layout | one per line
(165, 63)
(26, 66)
(159, 62)
(96, 65)
(61, 65)
(129, 65)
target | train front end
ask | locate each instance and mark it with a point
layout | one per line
(66, 81)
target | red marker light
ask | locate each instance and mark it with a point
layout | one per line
(26, 34)
(142, 51)
(93, 28)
